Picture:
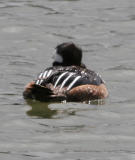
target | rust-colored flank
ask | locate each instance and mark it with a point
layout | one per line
(87, 92)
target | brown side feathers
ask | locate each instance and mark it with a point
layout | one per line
(87, 92)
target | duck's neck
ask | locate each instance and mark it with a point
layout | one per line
(61, 64)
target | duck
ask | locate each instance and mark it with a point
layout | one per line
(68, 79)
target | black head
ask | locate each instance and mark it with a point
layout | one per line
(67, 54)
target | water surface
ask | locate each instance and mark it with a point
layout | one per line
(29, 32)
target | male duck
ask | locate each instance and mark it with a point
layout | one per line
(68, 79)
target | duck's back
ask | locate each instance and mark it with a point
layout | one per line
(68, 77)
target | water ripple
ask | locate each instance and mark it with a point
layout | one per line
(122, 67)
(18, 63)
(62, 35)
(41, 7)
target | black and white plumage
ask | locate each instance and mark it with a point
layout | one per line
(68, 79)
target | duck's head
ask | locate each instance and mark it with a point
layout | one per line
(67, 54)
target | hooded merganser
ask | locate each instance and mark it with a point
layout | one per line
(68, 79)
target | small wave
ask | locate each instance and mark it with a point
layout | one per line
(121, 67)
(21, 63)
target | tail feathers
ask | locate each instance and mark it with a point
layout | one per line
(42, 90)
(33, 91)
(41, 93)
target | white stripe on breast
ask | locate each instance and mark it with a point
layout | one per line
(64, 82)
(49, 73)
(73, 82)
(59, 79)
(45, 73)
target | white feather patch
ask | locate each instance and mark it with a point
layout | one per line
(41, 81)
(49, 73)
(73, 82)
(58, 58)
(58, 79)
(64, 82)
(37, 82)
(40, 76)
(45, 73)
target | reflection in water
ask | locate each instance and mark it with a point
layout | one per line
(40, 109)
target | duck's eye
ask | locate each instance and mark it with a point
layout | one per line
(57, 58)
